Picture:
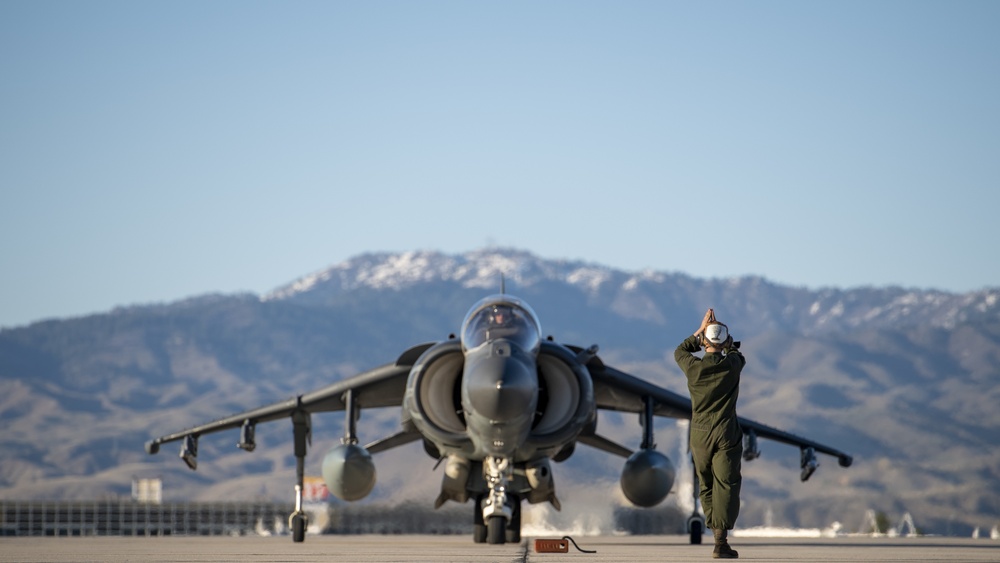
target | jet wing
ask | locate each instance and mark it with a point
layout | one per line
(380, 387)
(618, 391)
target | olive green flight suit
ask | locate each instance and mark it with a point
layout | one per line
(716, 437)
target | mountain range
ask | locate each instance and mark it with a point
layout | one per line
(904, 379)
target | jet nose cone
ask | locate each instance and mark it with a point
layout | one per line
(502, 388)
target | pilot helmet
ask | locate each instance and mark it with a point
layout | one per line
(716, 335)
(501, 315)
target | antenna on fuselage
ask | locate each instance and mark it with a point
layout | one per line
(503, 284)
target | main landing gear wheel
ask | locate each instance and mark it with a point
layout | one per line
(497, 530)
(478, 526)
(513, 531)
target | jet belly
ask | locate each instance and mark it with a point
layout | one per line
(499, 397)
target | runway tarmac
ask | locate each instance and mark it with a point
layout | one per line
(631, 549)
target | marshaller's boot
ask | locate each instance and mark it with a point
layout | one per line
(722, 549)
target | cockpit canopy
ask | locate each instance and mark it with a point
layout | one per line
(501, 316)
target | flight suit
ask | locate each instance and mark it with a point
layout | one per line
(716, 438)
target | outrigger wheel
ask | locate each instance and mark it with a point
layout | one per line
(695, 522)
(298, 525)
(697, 528)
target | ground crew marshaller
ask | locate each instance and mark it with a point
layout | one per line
(716, 438)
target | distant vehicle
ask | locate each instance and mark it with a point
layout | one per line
(497, 405)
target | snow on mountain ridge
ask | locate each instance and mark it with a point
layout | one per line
(590, 278)
(823, 309)
(478, 269)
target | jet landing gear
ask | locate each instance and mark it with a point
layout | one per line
(696, 527)
(511, 528)
(512, 532)
(695, 522)
(497, 517)
(299, 520)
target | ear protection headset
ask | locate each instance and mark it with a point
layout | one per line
(715, 334)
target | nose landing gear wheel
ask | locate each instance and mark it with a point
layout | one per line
(496, 530)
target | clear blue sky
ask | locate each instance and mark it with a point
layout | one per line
(151, 151)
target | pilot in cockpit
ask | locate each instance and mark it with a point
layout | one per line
(501, 316)
(504, 323)
(501, 322)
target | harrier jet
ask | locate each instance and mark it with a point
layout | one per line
(496, 405)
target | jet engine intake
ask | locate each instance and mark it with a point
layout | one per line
(562, 394)
(647, 478)
(438, 391)
(565, 401)
(349, 472)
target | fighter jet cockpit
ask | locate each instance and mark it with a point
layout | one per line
(501, 317)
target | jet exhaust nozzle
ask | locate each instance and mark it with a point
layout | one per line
(349, 472)
(647, 478)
